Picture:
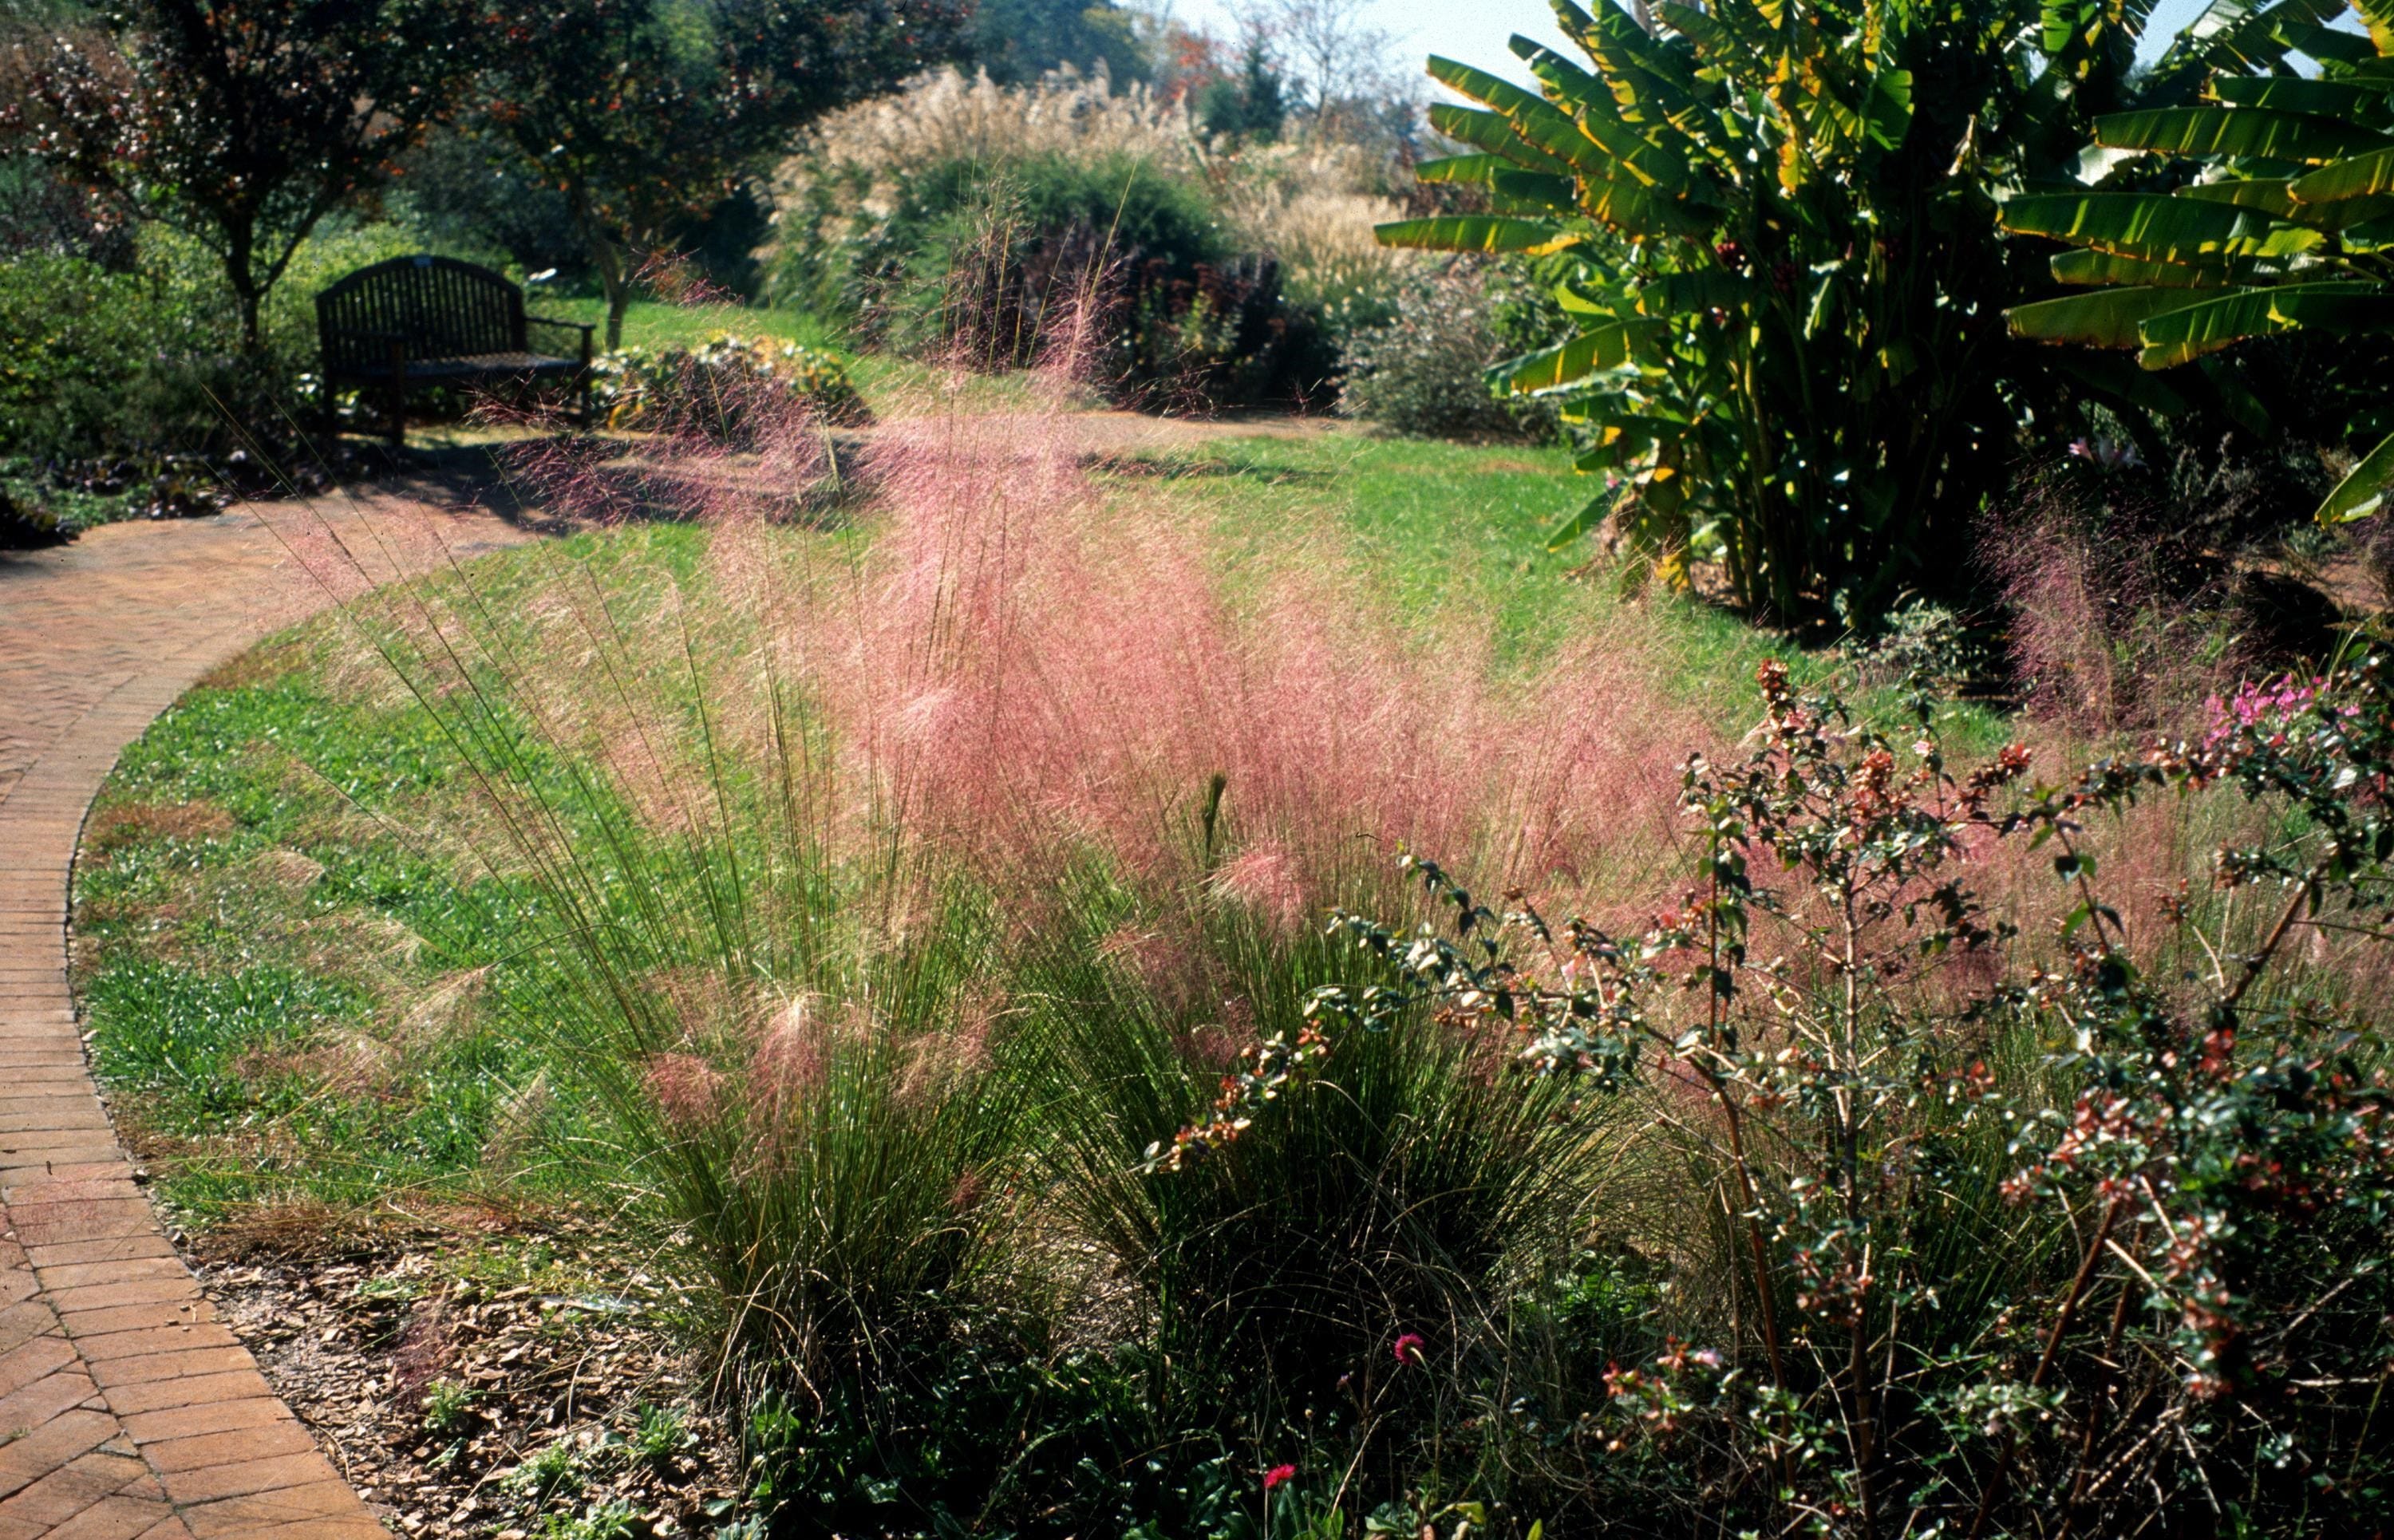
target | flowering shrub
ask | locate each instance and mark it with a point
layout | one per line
(1995, 1234)
(723, 390)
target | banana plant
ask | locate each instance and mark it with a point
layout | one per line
(1775, 222)
(2281, 219)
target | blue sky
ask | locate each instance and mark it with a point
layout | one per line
(1475, 31)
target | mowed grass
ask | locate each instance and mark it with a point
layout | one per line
(292, 961)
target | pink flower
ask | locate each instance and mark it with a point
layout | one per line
(1409, 1348)
(1278, 1474)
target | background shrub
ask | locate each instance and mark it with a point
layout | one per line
(1424, 371)
(724, 389)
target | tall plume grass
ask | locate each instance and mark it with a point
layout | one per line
(901, 885)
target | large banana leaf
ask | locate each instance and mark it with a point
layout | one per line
(2267, 193)
(2361, 176)
(2362, 492)
(2097, 267)
(2187, 332)
(1690, 293)
(2243, 132)
(2146, 225)
(1480, 232)
(1608, 346)
(2107, 318)
(1492, 132)
(2295, 94)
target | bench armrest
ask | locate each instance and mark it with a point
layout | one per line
(553, 321)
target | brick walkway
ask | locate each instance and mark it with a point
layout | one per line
(125, 1408)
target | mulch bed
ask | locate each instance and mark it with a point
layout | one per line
(465, 1408)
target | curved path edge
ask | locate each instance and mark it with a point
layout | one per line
(127, 1409)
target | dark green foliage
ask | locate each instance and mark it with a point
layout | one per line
(25, 527)
(1016, 41)
(645, 114)
(1251, 105)
(992, 263)
(2266, 217)
(243, 122)
(1787, 275)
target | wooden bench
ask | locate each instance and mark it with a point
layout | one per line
(415, 321)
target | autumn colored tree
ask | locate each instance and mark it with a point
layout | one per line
(242, 122)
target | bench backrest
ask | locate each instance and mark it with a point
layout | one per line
(436, 307)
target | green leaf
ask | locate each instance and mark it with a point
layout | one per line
(1888, 114)
(2362, 492)
(2107, 318)
(1577, 524)
(2266, 194)
(2243, 408)
(1608, 346)
(2329, 45)
(1486, 233)
(1492, 132)
(1535, 188)
(2361, 176)
(2357, 307)
(2144, 225)
(1687, 293)
(2251, 131)
(1466, 170)
(2176, 336)
(2097, 267)
(2294, 94)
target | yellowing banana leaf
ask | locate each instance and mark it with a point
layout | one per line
(2362, 492)
(2108, 318)
(2097, 267)
(1479, 232)
(1608, 346)
(2136, 224)
(2247, 132)
(2361, 176)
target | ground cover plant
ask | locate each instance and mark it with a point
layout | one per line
(904, 937)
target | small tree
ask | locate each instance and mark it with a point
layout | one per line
(242, 122)
(645, 112)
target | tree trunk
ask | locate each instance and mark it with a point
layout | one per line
(606, 254)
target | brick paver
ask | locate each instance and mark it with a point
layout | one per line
(126, 1409)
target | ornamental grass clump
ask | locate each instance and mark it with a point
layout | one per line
(888, 892)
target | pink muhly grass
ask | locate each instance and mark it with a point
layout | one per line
(685, 1089)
